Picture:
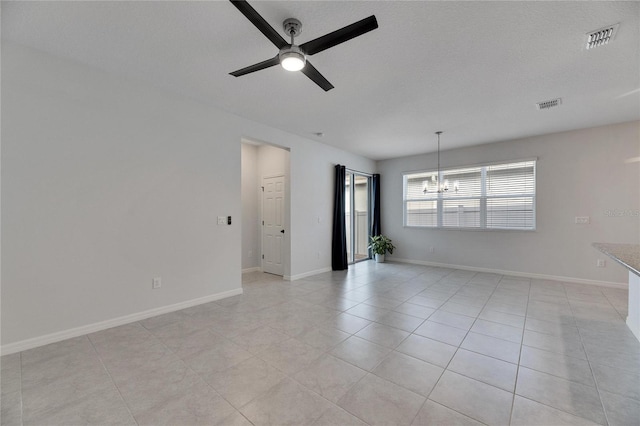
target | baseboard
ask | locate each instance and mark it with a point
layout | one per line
(254, 269)
(306, 274)
(516, 273)
(35, 342)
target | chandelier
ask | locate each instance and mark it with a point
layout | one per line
(433, 181)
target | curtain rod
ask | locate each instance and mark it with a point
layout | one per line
(356, 171)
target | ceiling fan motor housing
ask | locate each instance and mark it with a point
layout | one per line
(292, 27)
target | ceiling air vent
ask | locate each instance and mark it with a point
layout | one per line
(601, 36)
(549, 104)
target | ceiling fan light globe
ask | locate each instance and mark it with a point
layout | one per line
(292, 58)
(292, 63)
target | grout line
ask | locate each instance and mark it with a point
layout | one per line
(604, 411)
(126, 404)
(21, 396)
(515, 383)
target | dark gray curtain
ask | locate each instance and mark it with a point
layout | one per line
(339, 242)
(376, 227)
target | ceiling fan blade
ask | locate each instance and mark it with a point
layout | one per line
(340, 36)
(259, 22)
(311, 72)
(256, 67)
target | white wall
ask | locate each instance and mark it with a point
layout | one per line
(579, 173)
(273, 161)
(250, 207)
(108, 182)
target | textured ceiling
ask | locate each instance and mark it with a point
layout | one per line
(472, 69)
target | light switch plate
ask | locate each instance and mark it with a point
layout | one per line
(222, 220)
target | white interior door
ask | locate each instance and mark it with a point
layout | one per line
(273, 232)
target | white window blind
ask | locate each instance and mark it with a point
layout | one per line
(497, 196)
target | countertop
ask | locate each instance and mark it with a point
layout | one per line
(628, 255)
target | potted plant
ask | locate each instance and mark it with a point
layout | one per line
(380, 245)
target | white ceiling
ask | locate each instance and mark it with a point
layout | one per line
(472, 69)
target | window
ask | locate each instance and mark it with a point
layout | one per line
(495, 196)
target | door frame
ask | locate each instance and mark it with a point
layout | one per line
(352, 174)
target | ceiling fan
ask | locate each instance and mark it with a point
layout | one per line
(294, 57)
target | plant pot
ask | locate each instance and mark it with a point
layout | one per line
(380, 258)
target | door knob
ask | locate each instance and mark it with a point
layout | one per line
(282, 231)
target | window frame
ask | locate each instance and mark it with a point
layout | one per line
(482, 198)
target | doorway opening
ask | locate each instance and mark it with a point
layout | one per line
(357, 215)
(265, 214)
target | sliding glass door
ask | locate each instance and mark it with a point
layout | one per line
(357, 215)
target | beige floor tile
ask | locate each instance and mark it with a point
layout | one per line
(322, 338)
(330, 377)
(290, 356)
(509, 307)
(383, 335)
(463, 306)
(51, 393)
(104, 407)
(415, 310)
(621, 411)
(613, 357)
(492, 371)
(259, 339)
(441, 332)
(434, 414)
(401, 321)
(429, 350)
(380, 402)
(474, 399)
(143, 392)
(368, 312)
(454, 320)
(574, 369)
(426, 301)
(245, 381)
(360, 352)
(347, 323)
(74, 364)
(162, 320)
(134, 359)
(564, 327)
(288, 403)
(383, 302)
(190, 343)
(558, 344)
(235, 419)
(10, 374)
(531, 413)
(408, 372)
(11, 409)
(574, 398)
(490, 346)
(200, 405)
(75, 347)
(336, 416)
(218, 358)
(497, 330)
(617, 381)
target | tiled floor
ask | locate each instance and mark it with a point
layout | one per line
(380, 344)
